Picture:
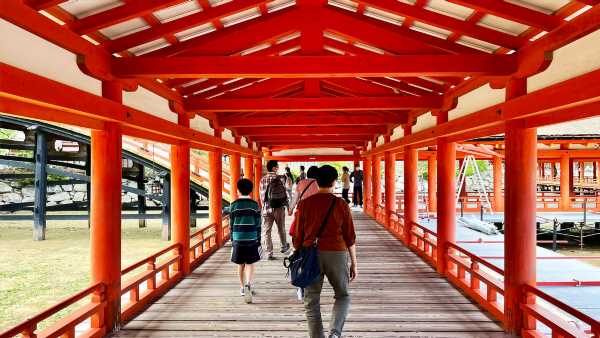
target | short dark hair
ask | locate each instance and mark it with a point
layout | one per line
(344, 168)
(313, 172)
(244, 186)
(272, 164)
(327, 176)
(302, 167)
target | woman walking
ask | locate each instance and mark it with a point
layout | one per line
(289, 182)
(336, 246)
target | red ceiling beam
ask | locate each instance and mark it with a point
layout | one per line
(39, 5)
(314, 66)
(313, 138)
(76, 107)
(449, 23)
(304, 131)
(313, 119)
(266, 88)
(573, 99)
(316, 144)
(314, 104)
(118, 14)
(398, 40)
(236, 38)
(178, 25)
(359, 87)
(313, 158)
(513, 12)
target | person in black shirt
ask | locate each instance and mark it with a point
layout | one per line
(357, 179)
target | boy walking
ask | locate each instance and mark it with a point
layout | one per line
(245, 236)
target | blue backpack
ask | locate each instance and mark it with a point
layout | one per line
(303, 264)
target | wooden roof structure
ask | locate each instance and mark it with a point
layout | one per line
(309, 73)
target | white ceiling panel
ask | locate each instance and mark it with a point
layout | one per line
(82, 8)
(175, 12)
(450, 9)
(124, 28)
(503, 25)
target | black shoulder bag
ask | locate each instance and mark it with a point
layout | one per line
(303, 264)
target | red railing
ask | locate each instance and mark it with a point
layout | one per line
(161, 273)
(483, 282)
(563, 320)
(65, 327)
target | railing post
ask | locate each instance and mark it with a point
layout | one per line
(41, 178)
(105, 217)
(520, 203)
(180, 197)
(215, 192)
(257, 177)
(446, 203)
(411, 191)
(390, 187)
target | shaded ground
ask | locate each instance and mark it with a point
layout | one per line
(36, 275)
(586, 251)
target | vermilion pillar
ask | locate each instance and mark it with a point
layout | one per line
(520, 221)
(431, 184)
(215, 192)
(180, 196)
(410, 188)
(105, 211)
(356, 154)
(257, 177)
(248, 168)
(376, 183)
(446, 190)
(565, 182)
(234, 174)
(390, 186)
(367, 186)
(498, 198)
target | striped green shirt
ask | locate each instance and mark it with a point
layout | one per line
(245, 221)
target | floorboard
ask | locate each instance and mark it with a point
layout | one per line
(395, 295)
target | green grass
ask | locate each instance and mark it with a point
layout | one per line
(37, 275)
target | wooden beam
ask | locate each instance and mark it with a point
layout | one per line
(315, 158)
(178, 25)
(314, 66)
(34, 96)
(449, 23)
(314, 104)
(118, 14)
(314, 119)
(513, 12)
(573, 99)
(39, 5)
(305, 131)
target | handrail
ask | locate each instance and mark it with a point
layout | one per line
(145, 287)
(96, 306)
(557, 324)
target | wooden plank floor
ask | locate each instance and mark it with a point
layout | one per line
(395, 295)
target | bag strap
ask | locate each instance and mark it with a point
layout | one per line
(303, 191)
(322, 228)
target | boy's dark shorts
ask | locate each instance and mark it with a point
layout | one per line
(245, 253)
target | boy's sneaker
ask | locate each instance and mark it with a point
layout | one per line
(270, 256)
(242, 291)
(300, 293)
(248, 294)
(334, 334)
(285, 248)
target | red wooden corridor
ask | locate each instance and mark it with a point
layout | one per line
(373, 82)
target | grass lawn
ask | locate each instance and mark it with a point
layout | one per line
(36, 275)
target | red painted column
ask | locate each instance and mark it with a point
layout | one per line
(376, 183)
(180, 196)
(431, 184)
(367, 186)
(249, 168)
(565, 182)
(105, 211)
(390, 186)
(257, 176)
(446, 191)
(356, 154)
(571, 178)
(234, 173)
(410, 188)
(498, 196)
(215, 191)
(520, 203)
